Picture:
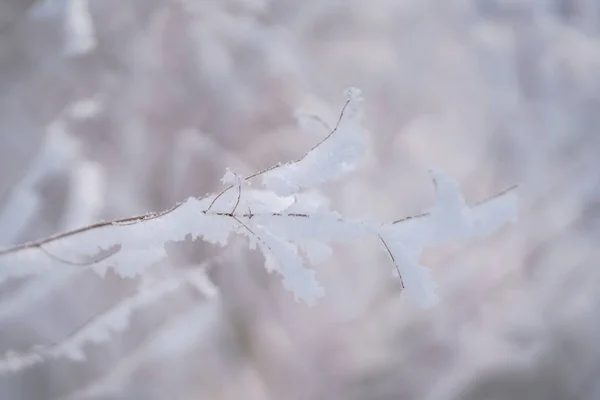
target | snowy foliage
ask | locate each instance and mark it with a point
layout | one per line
(279, 219)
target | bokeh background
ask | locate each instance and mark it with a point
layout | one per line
(119, 107)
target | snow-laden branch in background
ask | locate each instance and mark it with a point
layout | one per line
(282, 220)
(114, 319)
(180, 334)
(45, 9)
(59, 152)
(80, 35)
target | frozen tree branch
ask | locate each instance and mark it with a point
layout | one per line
(277, 219)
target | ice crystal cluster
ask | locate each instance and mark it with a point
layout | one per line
(272, 209)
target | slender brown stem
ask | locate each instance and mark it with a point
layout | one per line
(239, 197)
(499, 194)
(114, 222)
(480, 202)
(252, 232)
(393, 260)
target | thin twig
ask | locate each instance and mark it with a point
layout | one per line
(81, 263)
(480, 202)
(411, 217)
(239, 194)
(114, 222)
(252, 232)
(499, 194)
(337, 125)
(318, 119)
(272, 167)
(393, 260)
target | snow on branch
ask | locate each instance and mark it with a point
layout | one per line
(449, 220)
(330, 159)
(282, 220)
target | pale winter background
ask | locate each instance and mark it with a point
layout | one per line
(118, 107)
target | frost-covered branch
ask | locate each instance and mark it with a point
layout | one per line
(280, 219)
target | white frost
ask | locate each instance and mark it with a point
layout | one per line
(337, 155)
(449, 220)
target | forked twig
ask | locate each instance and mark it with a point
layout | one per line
(272, 167)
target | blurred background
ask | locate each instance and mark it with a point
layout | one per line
(114, 108)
